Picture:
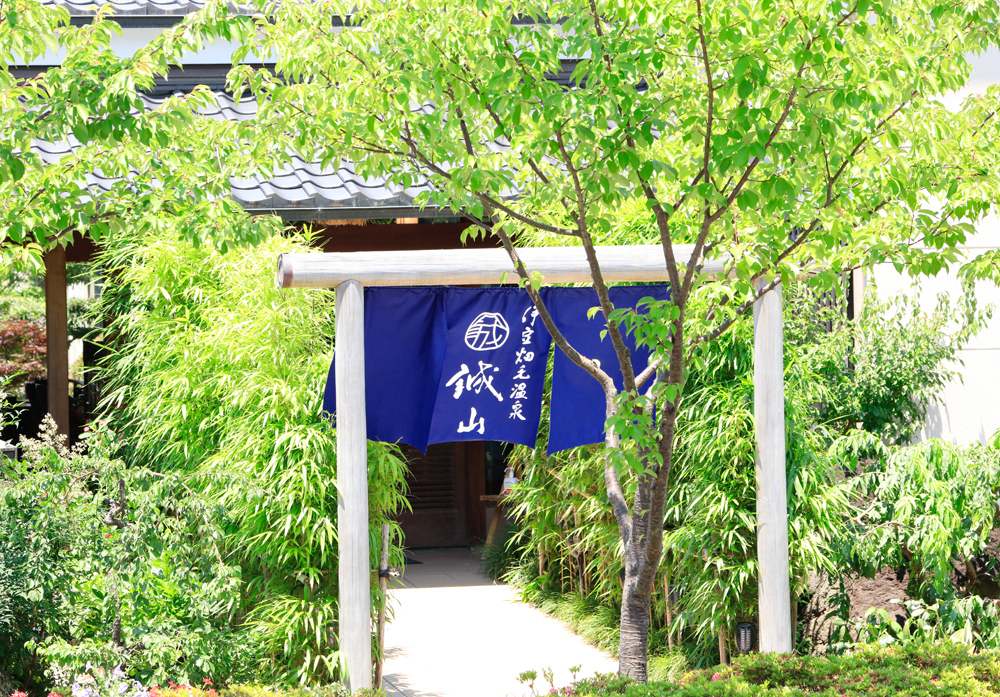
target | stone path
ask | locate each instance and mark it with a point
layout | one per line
(456, 633)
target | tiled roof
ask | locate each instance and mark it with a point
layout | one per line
(133, 8)
(302, 191)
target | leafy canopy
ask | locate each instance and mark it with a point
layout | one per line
(802, 136)
(159, 165)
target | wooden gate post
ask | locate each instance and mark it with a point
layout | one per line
(57, 337)
(352, 486)
(775, 631)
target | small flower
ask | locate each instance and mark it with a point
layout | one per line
(206, 681)
(53, 694)
(716, 678)
(107, 535)
(19, 694)
(932, 680)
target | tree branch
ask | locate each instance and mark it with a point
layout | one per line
(621, 350)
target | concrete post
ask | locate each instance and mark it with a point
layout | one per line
(352, 486)
(775, 631)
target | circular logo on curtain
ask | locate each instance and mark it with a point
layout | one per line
(488, 331)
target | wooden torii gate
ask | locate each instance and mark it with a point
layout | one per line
(350, 272)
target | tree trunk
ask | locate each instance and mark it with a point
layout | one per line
(116, 623)
(634, 638)
(7, 685)
(794, 611)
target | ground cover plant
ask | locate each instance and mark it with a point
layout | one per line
(101, 682)
(871, 671)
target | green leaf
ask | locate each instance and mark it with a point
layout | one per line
(82, 133)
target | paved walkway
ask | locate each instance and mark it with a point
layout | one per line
(456, 633)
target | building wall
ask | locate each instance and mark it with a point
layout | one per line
(969, 408)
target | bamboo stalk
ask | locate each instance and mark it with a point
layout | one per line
(383, 584)
(669, 612)
(722, 631)
(581, 561)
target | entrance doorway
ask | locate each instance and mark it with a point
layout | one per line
(445, 489)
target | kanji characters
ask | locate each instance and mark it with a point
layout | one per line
(515, 412)
(475, 382)
(473, 424)
(460, 385)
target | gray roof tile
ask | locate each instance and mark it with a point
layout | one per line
(138, 8)
(301, 190)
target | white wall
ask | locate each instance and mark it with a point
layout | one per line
(969, 408)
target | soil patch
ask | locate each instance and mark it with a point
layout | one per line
(862, 594)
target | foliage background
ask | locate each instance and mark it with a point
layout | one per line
(223, 378)
(216, 388)
(848, 383)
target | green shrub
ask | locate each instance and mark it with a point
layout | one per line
(501, 557)
(105, 564)
(940, 669)
(925, 506)
(333, 690)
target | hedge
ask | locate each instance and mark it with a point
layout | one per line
(938, 670)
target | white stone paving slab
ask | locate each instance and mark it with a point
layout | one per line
(456, 633)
